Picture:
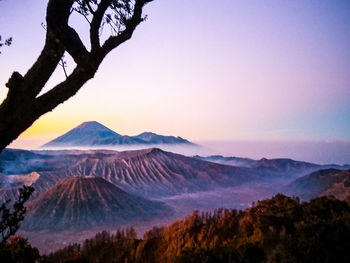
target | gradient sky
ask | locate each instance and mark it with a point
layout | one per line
(205, 70)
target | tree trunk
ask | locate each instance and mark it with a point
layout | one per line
(23, 105)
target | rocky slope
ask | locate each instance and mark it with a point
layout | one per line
(82, 203)
(154, 173)
(10, 184)
(150, 172)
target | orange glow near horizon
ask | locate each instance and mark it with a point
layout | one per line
(239, 70)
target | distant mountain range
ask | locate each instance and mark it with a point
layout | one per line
(280, 166)
(93, 133)
(328, 182)
(83, 203)
(147, 173)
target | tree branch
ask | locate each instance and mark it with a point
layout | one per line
(96, 23)
(130, 26)
(58, 12)
(22, 105)
(64, 90)
(45, 65)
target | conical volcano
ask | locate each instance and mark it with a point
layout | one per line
(82, 203)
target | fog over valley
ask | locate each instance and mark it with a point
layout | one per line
(176, 183)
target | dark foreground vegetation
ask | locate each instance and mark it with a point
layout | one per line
(280, 229)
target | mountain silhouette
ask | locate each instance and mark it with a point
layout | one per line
(93, 133)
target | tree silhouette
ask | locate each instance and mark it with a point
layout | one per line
(24, 104)
(11, 218)
(7, 42)
(18, 249)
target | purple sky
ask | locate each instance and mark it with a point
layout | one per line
(227, 70)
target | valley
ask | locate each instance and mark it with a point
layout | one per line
(81, 192)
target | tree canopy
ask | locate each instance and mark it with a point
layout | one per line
(6, 42)
(280, 229)
(10, 218)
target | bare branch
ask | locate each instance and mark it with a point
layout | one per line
(96, 24)
(63, 65)
(62, 61)
(57, 20)
(63, 90)
(85, 16)
(130, 26)
(42, 69)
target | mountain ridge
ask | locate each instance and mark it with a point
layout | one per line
(149, 172)
(289, 167)
(320, 183)
(93, 133)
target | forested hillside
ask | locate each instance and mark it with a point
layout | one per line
(280, 229)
